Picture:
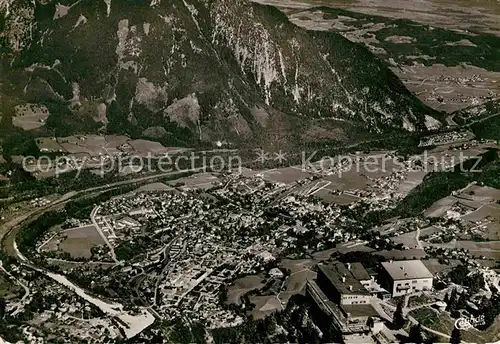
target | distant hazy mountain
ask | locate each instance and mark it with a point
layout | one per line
(190, 71)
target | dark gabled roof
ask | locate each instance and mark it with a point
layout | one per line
(359, 272)
(360, 310)
(336, 272)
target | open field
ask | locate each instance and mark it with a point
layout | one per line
(478, 200)
(344, 199)
(410, 254)
(354, 246)
(485, 221)
(461, 15)
(30, 116)
(154, 187)
(97, 145)
(286, 175)
(414, 179)
(429, 231)
(350, 180)
(197, 181)
(439, 208)
(481, 193)
(477, 209)
(144, 147)
(295, 283)
(265, 305)
(491, 231)
(76, 241)
(92, 145)
(435, 267)
(449, 88)
(113, 142)
(434, 54)
(300, 272)
(47, 144)
(407, 239)
(486, 211)
(323, 255)
(242, 286)
(488, 249)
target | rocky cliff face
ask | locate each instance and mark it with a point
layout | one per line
(191, 71)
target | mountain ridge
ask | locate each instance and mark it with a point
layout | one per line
(199, 71)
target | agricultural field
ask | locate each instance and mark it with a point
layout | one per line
(197, 181)
(450, 88)
(436, 56)
(453, 15)
(488, 249)
(241, 287)
(154, 187)
(92, 145)
(349, 180)
(277, 297)
(343, 199)
(145, 147)
(98, 145)
(407, 239)
(475, 206)
(295, 284)
(77, 242)
(30, 116)
(286, 175)
(435, 267)
(265, 305)
(323, 255)
(300, 271)
(411, 254)
(47, 144)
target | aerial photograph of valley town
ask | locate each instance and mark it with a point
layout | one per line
(249, 171)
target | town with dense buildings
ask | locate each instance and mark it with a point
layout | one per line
(249, 171)
(323, 251)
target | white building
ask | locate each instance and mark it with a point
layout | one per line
(405, 277)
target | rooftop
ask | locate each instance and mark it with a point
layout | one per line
(343, 279)
(358, 339)
(358, 310)
(359, 272)
(407, 269)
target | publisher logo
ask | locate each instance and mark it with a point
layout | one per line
(465, 323)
